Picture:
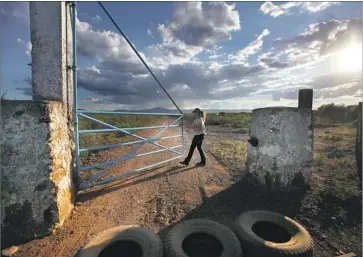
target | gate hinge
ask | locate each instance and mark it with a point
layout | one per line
(71, 67)
(71, 3)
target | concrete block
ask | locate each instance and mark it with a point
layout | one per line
(36, 169)
(284, 154)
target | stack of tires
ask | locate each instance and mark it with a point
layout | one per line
(256, 234)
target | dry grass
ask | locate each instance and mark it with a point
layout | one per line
(334, 159)
(230, 152)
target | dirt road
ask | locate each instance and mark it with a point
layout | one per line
(154, 200)
(164, 196)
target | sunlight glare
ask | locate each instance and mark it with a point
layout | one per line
(350, 58)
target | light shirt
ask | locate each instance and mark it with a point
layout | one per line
(197, 131)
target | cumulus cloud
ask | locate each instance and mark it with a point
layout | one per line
(270, 60)
(176, 52)
(195, 27)
(149, 33)
(336, 80)
(279, 73)
(116, 75)
(318, 40)
(315, 6)
(272, 9)
(326, 86)
(253, 47)
(201, 24)
(109, 48)
(190, 81)
(19, 40)
(96, 18)
(28, 46)
(97, 100)
(288, 8)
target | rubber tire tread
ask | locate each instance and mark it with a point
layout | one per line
(175, 237)
(150, 242)
(301, 243)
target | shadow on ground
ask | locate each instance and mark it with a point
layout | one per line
(225, 206)
(331, 211)
(243, 196)
(131, 181)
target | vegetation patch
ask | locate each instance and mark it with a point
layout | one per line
(229, 151)
(320, 157)
(344, 192)
(234, 120)
(333, 138)
(335, 114)
(336, 153)
(119, 121)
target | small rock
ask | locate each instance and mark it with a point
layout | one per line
(323, 236)
(10, 251)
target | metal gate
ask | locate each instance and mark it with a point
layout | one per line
(98, 178)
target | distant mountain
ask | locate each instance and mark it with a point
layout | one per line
(152, 110)
(220, 110)
(165, 110)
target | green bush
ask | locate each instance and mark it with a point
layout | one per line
(332, 113)
(333, 138)
(235, 120)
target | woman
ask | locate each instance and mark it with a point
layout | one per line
(199, 132)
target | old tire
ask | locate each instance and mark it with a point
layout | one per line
(199, 237)
(124, 240)
(288, 238)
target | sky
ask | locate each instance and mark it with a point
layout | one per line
(212, 55)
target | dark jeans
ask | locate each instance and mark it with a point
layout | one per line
(196, 143)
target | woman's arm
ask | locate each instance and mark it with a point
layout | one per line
(197, 125)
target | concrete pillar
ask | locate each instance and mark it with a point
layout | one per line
(358, 143)
(283, 156)
(36, 169)
(306, 98)
(37, 164)
(51, 38)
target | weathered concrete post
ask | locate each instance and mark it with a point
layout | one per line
(358, 143)
(37, 136)
(283, 156)
(306, 98)
(51, 37)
